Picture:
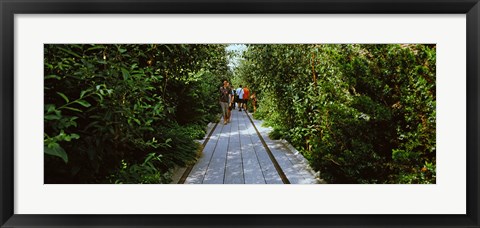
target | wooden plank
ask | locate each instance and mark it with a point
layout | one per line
(279, 153)
(235, 155)
(234, 166)
(300, 166)
(292, 174)
(268, 169)
(197, 174)
(251, 167)
(234, 134)
(215, 173)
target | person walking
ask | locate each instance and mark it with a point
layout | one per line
(230, 102)
(246, 95)
(224, 94)
(240, 98)
(234, 95)
(253, 98)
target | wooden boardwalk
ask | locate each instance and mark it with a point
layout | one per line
(235, 154)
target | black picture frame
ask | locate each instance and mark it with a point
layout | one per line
(9, 8)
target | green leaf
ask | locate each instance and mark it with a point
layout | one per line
(96, 47)
(56, 150)
(73, 109)
(83, 103)
(74, 136)
(137, 121)
(52, 117)
(63, 96)
(148, 158)
(125, 74)
(53, 77)
(50, 108)
(83, 93)
(70, 52)
(100, 96)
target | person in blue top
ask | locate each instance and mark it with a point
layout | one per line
(240, 97)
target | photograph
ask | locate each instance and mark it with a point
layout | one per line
(247, 113)
(282, 113)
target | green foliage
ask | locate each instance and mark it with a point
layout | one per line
(144, 173)
(129, 113)
(108, 104)
(359, 113)
(275, 134)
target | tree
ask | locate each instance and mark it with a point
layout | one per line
(126, 113)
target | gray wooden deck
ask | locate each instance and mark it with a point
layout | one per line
(235, 154)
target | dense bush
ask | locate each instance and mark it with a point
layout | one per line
(129, 113)
(359, 113)
(126, 113)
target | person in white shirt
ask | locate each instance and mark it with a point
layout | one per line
(240, 97)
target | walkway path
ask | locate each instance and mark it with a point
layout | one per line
(235, 154)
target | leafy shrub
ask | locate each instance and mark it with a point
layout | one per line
(275, 134)
(359, 113)
(144, 173)
(111, 104)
